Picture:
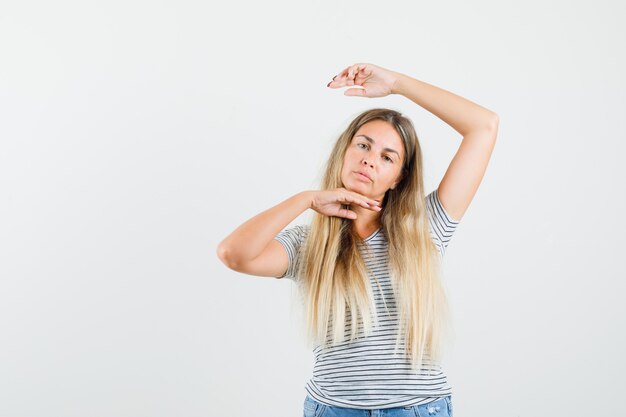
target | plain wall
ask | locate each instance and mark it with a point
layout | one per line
(134, 136)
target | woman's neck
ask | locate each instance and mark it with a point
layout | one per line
(367, 221)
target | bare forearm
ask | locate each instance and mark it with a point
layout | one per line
(248, 240)
(461, 114)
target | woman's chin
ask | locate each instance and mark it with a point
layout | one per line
(359, 187)
(356, 187)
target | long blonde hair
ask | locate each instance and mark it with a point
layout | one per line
(335, 277)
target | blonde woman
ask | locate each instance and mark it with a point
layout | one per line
(368, 263)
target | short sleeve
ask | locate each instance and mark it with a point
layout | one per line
(442, 225)
(292, 239)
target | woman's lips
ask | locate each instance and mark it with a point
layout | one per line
(363, 177)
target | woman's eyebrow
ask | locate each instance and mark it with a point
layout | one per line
(386, 149)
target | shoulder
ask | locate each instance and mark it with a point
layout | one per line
(442, 225)
(436, 209)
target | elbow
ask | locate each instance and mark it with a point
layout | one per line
(486, 126)
(228, 257)
(224, 255)
(491, 128)
(494, 122)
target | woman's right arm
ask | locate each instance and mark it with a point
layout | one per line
(239, 249)
(251, 248)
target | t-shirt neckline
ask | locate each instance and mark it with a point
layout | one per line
(370, 237)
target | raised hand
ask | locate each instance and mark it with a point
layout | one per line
(376, 81)
(331, 202)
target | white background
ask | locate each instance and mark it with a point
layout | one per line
(134, 136)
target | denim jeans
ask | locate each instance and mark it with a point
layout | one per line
(438, 408)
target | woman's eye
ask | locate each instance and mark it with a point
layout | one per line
(389, 159)
(359, 144)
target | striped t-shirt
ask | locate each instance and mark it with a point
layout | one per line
(366, 374)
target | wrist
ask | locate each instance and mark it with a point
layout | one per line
(398, 84)
(307, 197)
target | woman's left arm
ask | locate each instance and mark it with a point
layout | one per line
(477, 125)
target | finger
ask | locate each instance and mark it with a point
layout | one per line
(348, 214)
(343, 73)
(338, 80)
(354, 69)
(351, 71)
(366, 71)
(373, 205)
(355, 92)
(351, 77)
(363, 200)
(359, 70)
(348, 200)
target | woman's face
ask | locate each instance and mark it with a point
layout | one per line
(377, 151)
